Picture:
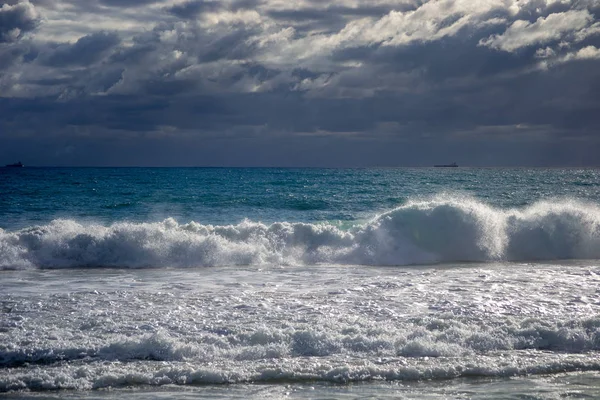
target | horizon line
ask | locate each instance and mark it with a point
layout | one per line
(307, 167)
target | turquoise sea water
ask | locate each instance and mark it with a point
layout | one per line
(299, 283)
(226, 196)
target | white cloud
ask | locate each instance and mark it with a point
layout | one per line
(586, 53)
(429, 22)
(545, 53)
(587, 32)
(230, 18)
(524, 33)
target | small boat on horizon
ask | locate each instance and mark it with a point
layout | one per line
(15, 165)
(453, 165)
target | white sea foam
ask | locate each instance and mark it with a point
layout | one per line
(442, 229)
(97, 328)
(426, 350)
(430, 337)
(308, 369)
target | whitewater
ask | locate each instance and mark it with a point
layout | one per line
(272, 283)
(444, 229)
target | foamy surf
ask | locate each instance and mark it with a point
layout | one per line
(440, 230)
(159, 327)
(427, 337)
(160, 374)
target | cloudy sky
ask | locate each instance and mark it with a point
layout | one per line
(300, 82)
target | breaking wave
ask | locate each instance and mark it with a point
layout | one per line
(442, 229)
(428, 337)
(115, 375)
(434, 349)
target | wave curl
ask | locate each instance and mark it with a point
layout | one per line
(442, 229)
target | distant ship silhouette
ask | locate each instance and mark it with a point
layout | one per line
(453, 165)
(15, 165)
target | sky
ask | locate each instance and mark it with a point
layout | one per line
(300, 83)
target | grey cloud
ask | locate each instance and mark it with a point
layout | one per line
(331, 18)
(191, 9)
(245, 4)
(457, 57)
(9, 55)
(416, 116)
(134, 54)
(247, 83)
(17, 19)
(128, 3)
(155, 67)
(333, 12)
(555, 26)
(229, 46)
(85, 51)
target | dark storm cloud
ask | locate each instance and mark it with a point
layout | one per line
(115, 112)
(134, 54)
(128, 3)
(85, 51)
(9, 55)
(452, 57)
(398, 82)
(331, 18)
(191, 9)
(15, 20)
(335, 12)
(245, 4)
(229, 46)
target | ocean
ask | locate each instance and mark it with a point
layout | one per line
(428, 283)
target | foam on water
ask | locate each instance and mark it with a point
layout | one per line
(87, 329)
(416, 351)
(116, 375)
(442, 229)
(426, 337)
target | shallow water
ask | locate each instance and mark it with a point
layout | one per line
(560, 386)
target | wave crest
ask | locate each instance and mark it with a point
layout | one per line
(443, 229)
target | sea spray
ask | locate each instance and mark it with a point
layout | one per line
(439, 230)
